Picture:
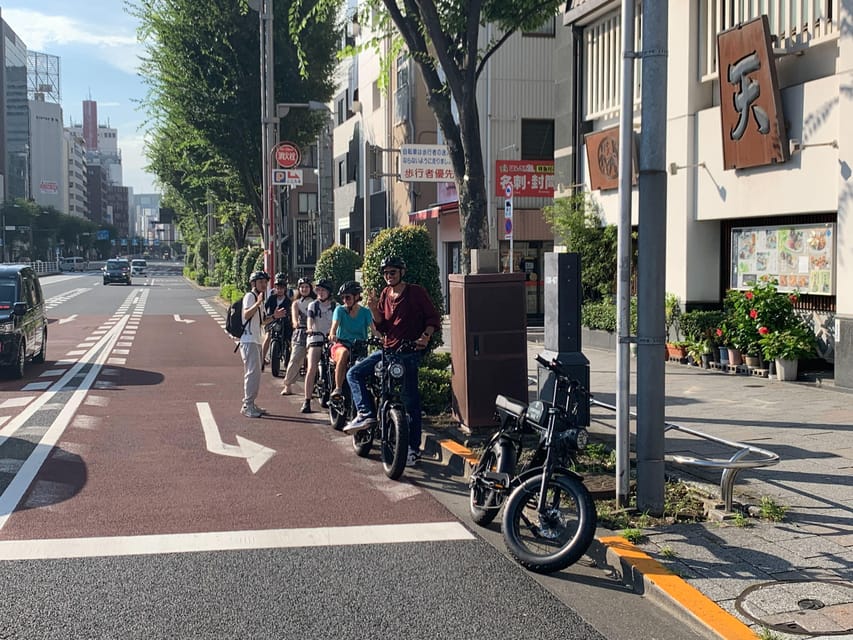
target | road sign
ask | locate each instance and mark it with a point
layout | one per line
(508, 228)
(508, 217)
(287, 155)
(508, 191)
(287, 177)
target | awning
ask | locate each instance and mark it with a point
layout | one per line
(434, 211)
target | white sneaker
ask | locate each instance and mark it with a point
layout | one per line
(359, 423)
(250, 412)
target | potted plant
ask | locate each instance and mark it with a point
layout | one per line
(786, 347)
(699, 351)
(677, 350)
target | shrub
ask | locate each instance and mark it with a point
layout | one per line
(237, 267)
(434, 387)
(601, 315)
(436, 360)
(414, 245)
(698, 324)
(337, 263)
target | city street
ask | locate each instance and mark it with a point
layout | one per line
(136, 502)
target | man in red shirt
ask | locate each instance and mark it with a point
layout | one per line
(404, 311)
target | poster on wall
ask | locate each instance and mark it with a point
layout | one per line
(799, 257)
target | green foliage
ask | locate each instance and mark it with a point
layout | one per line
(414, 245)
(634, 535)
(700, 324)
(789, 344)
(230, 293)
(771, 510)
(337, 263)
(436, 360)
(601, 315)
(434, 387)
(672, 314)
(249, 264)
(577, 221)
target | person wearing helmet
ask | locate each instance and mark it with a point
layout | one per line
(351, 322)
(402, 312)
(278, 298)
(299, 318)
(318, 324)
(254, 318)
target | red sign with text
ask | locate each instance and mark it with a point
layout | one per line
(528, 178)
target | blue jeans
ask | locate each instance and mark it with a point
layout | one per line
(358, 373)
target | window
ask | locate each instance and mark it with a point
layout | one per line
(537, 139)
(401, 93)
(307, 203)
(377, 95)
(545, 30)
(342, 172)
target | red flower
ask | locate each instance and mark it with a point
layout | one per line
(753, 314)
(793, 297)
(748, 295)
(719, 333)
(763, 330)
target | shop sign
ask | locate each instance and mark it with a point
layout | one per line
(799, 257)
(529, 178)
(753, 126)
(426, 163)
(602, 158)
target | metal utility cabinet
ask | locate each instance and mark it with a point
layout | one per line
(488, 344)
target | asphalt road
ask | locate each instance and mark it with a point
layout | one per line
(135, 502)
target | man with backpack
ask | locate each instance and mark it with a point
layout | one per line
(254, 319)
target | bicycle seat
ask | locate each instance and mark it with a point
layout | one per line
(510, 405)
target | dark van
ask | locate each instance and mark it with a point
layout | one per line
(23, 326)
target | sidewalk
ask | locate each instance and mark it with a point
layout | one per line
(791, 579)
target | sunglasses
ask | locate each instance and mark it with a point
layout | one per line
(347, 297)
(390, 272)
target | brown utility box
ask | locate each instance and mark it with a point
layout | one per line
(488, 344)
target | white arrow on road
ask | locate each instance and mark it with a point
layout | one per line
(68, 319)
(256, 454)
(178, 318)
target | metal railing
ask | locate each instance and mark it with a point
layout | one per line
(731, 467)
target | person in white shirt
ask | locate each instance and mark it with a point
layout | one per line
(254, 318)
(319, 323)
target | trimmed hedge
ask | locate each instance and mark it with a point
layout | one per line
(434, 383)
(337, 263)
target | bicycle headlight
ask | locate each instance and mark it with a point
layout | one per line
(396, 370)
(577, 438)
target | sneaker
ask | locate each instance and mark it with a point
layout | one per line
(286, 390)
(359, 423)
(260, 410)
(413, 458)
(250, 412)
(306, 407)
(337, 394)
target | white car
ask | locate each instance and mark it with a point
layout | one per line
(137, 267)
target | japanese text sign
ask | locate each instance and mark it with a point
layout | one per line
(528, 178)
(425, 163)
(753, 127)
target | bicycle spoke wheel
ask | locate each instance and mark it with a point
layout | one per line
(485, 501)
(559, 534)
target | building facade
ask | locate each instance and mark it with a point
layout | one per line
(730, 217)
(14, 116)
(76, 196)
(48, 173)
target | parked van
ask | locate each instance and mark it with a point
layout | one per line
(73, 264)
(23, 326)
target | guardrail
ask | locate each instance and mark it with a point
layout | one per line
(731, 467)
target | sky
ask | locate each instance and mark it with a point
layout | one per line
(96, 41)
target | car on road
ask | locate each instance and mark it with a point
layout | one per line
(75, 263)
(23, 325)
(137, 267)
(117, 270)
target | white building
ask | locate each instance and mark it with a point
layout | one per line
(75, 198)
(107, 154)
(724, 223)
(48, 176)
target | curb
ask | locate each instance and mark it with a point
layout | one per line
(634, 568)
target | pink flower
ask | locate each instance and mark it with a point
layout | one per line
(748, 295)
(763, 330)
(753, 314)
(719, 333)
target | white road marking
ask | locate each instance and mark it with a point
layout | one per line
(97, 401)
(76, 352)
(37, 386)
(17, 402)
(68, 319)
(231, 541)
(52, 373)
(255, 454)
(178, 318)
(117, 361)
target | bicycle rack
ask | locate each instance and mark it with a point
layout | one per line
(731, 467)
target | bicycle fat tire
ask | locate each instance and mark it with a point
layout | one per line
(395, 444)
(362, 441)
(485, 502)
(569, 529)
(339, 418)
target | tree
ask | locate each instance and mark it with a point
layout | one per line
(202, 68)
(443, 38)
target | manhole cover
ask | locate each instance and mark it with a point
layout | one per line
(807, 607)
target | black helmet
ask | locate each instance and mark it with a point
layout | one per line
(305, 281)
(327, 284)
(350, 288)
(392, 261)
(281, 278)
(259, 275)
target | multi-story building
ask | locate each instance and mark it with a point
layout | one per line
(48, 172)
(97, 184)
(14, 117)
(757, 148)
(117, 201)
(516, 100)
(101, 142)
(76, 196)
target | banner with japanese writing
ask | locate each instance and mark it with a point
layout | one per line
(425, 163)
(529, 178)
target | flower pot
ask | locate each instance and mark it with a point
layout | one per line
(706, 360)
(753, 362)
(735, 357)
(786, 370)
(724, 356)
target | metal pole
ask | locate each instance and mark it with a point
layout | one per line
(267, 127)
(652, 262)
(365, 189)
(623, 283)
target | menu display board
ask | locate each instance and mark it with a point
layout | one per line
(799, 257)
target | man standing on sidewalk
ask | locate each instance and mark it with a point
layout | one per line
(254, 318)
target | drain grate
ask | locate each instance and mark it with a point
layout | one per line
(805, 607)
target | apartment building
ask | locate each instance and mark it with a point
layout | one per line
(376, 117)
(755, 186)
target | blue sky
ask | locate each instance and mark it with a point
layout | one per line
(96, 41)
